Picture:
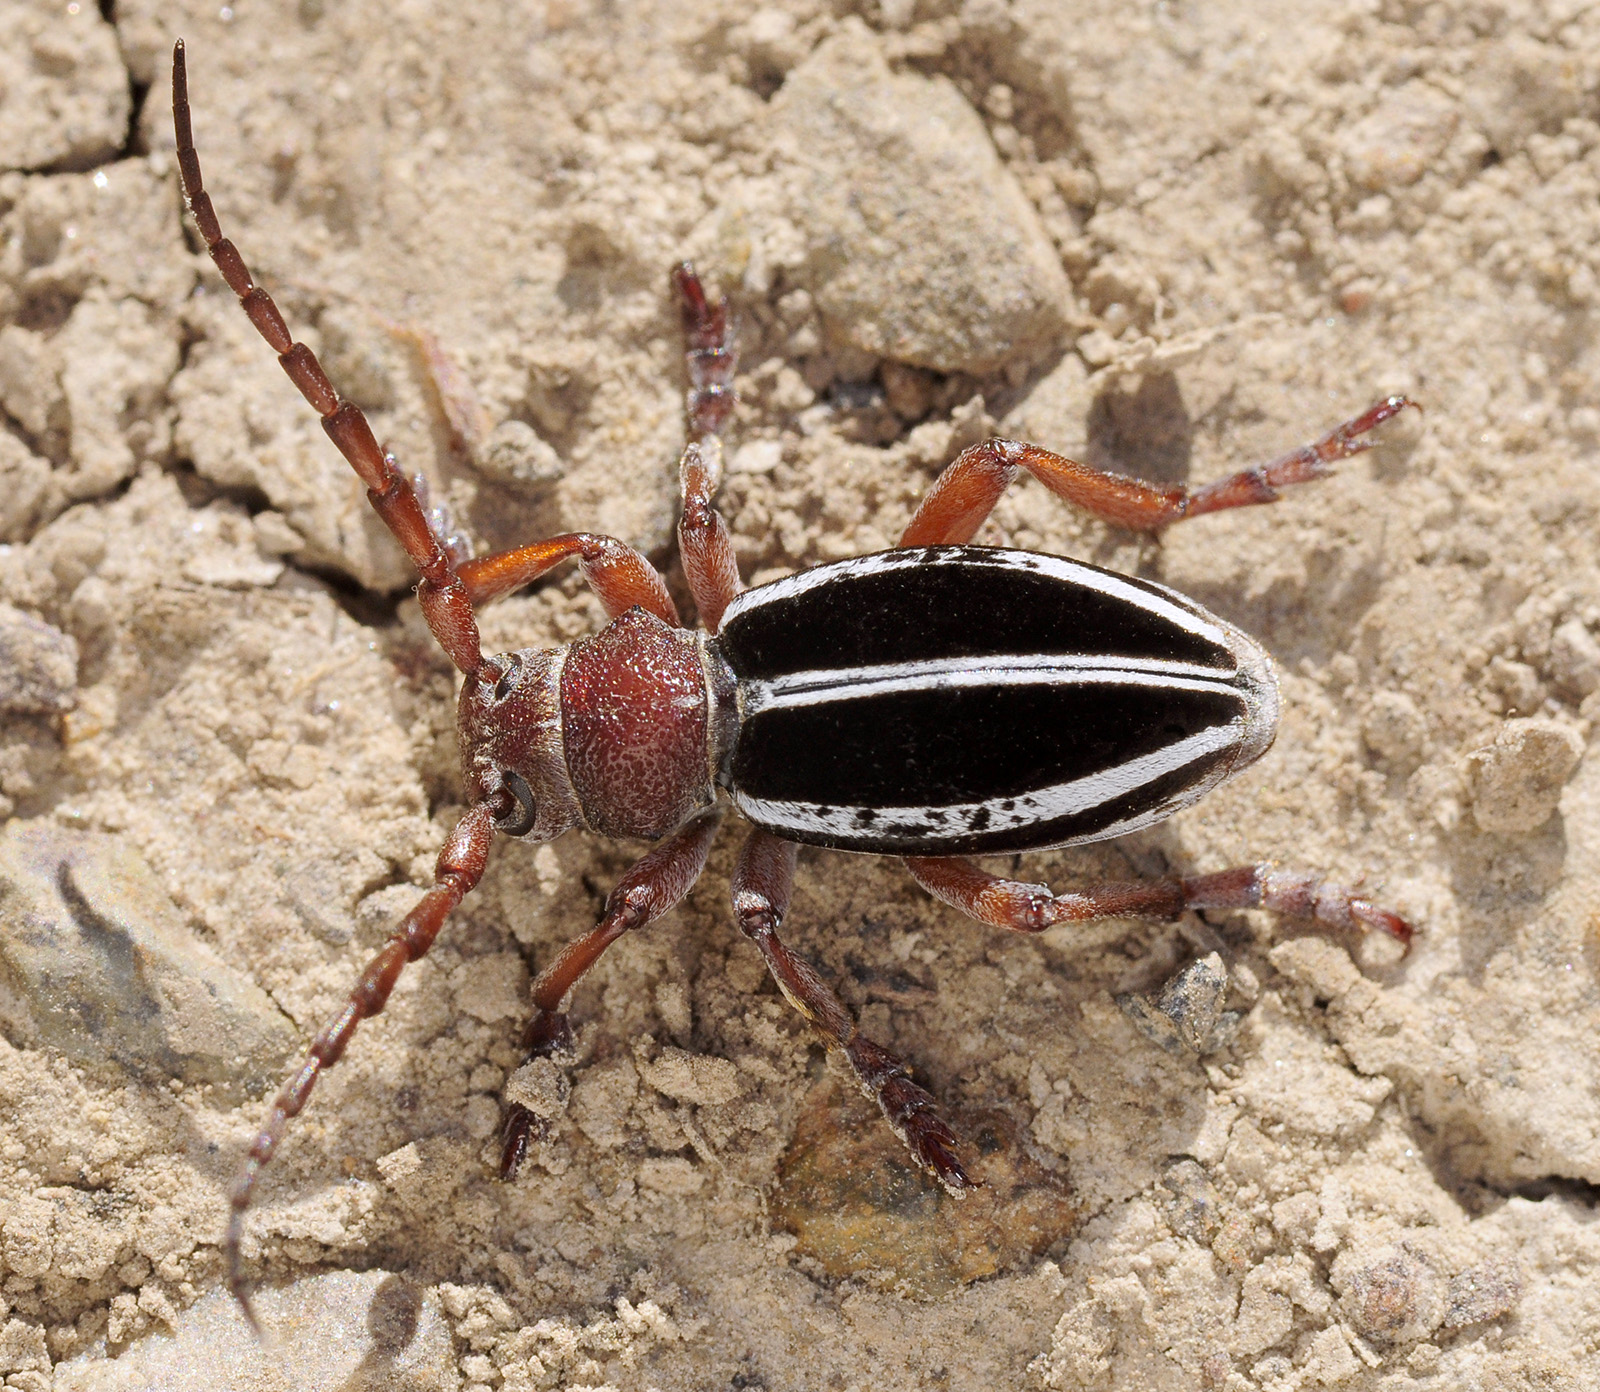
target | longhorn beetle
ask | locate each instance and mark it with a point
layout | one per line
(933, 702)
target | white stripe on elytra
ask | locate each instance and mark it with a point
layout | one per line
(1162, 602)
(1028, 809)
(820, 686)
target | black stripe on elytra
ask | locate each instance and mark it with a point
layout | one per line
(954, 602)
(931, 747)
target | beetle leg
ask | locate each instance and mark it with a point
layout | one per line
(709, 564)
(709, 354)
(1031, 908)
(460, 867)
(762, 884)
(444, 599)
(654, 886)
(619, 575)
(964, 495)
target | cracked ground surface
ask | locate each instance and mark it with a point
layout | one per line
(1171, 239)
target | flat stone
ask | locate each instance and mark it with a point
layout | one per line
(860, 1207)
(97, 963)
(921, 247)
(348, 1330)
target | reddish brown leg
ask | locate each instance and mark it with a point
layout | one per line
(657, 884)
(618, 574)
(703, 541)
(459, 868)
(708, 354)
(966, 492)
(445, 603)
(762, 885)
(1031, 908)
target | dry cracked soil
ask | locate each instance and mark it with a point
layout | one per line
(1174, 239)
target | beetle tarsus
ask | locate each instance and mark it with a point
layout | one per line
(710, 361)
(1030, 908)
(548, 1035)
(1371, 915)
(1296, 894)
(238, 1286)
(1303, 465)
(941, 1160)
(910, 1111)
(522, 1131)
(709, 353)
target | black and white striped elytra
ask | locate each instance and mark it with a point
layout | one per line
(957, 700)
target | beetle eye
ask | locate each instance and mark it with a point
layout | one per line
(508, 678)
(520, 822)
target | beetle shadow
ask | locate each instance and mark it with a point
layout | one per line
(1305, 608)
(393, 1319)
(1501, 885)
(1146, 432)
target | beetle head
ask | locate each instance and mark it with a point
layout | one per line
(509, 724)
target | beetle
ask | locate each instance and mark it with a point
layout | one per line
(935, 701)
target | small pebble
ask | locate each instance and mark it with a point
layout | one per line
(1575, 659)
(1193, 1210)
(1187, 1016)
(38, 666)
(756, 457)
(1393, 728)
(1389, 1295)
(542, 1086)
(1483, 1293)
(1515, 781)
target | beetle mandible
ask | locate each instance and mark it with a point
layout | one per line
(932, 702)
